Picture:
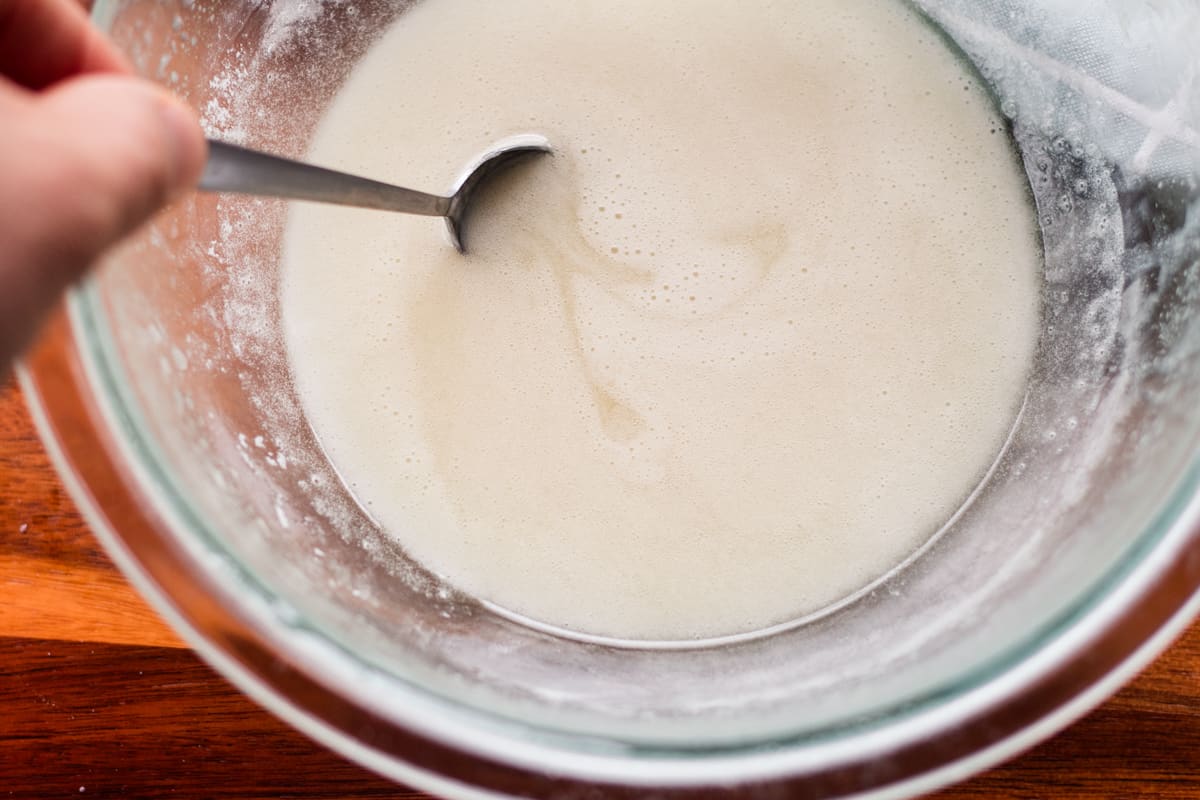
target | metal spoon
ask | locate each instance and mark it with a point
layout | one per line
(239, 170)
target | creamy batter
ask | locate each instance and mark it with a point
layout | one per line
(746, 341)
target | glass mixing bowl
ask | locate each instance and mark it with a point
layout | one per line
(164, 393)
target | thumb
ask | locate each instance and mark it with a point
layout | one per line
(85, 163)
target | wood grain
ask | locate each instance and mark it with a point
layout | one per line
(98, 698)
(53, 575)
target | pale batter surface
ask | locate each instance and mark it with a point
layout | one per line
(741, 346)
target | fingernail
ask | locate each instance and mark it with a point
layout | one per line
(189, 150)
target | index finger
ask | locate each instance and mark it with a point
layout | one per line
(45, 41)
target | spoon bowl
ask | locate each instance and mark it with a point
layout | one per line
(240, 170)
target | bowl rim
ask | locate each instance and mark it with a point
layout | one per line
(1072, 667)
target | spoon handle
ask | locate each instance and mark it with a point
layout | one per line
(235, 169)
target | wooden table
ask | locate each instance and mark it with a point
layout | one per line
(99, 698)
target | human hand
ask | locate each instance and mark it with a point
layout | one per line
(87, 153)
